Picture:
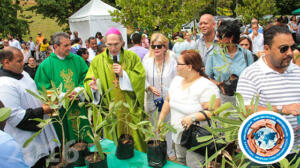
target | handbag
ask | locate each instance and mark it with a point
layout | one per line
(189, 138)
(229, 86)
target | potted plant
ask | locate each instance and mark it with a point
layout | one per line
(117, 118)
(79, 147)
(155, 135)
(52, 99)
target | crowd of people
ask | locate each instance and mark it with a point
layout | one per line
(176, 77)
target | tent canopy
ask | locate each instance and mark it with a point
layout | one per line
(94, 17)
(296, 12)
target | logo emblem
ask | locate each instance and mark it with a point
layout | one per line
(266, 137)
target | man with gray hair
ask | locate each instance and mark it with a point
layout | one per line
(68, 69)
(208, 36)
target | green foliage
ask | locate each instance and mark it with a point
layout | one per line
(285, 7)
(52, 99)
(166, 15)
(4, 113)
(156, 131)
(61, 10)
(255, 8)
(13, 21)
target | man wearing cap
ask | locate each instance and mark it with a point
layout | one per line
(122, 78)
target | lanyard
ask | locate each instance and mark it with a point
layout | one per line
(161, 75)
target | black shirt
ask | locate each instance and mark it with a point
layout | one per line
(30, 71)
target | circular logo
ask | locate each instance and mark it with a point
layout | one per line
(266, 137)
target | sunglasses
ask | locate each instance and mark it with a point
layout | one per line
(156, 46)
(284, 48)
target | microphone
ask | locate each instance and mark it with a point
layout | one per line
(115, 59)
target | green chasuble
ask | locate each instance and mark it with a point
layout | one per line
(70, 72)
(101, 68)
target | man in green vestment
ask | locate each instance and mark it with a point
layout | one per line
(63, 67)
(122, 78)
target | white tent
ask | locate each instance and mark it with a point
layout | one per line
(94, 17)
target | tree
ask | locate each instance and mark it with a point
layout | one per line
(12, 20)
(61, 10)
(285, 7)
(255, 8)
(167, 16)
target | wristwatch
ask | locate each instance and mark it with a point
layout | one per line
(279, 109)
(193, 117)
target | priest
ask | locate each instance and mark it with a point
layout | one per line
(122, 77)
(63, 67)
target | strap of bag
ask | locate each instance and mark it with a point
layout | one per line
(245, 57)
(206, 118)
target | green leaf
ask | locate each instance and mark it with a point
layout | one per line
(36, 95)
(31, 138)
(56, 140)
(81, 104)
(225, 129)
(132, 126)
(4, 113)
(284, 163)
(229, 121)
(269, 106)
(222, 108)
(212, 102)
(241, 103)
(204, 138)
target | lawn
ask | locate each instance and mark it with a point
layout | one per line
(40, 24)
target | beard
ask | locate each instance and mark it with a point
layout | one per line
(285, 62)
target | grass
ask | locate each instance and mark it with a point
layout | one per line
(39, 24)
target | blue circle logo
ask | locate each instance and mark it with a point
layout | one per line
(266, 137)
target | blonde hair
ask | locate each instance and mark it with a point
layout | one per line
(158, 37)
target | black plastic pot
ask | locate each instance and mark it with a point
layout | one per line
(97, 164)
(157, 153)
(125, 150)
(81, 155)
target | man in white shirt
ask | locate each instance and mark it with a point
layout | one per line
(32, 46)
(13, 42)
(93, 48)
(257, 40)
(25, 107)
(275, 79)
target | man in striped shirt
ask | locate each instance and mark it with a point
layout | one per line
(275, 79)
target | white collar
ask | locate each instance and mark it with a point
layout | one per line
(266, 69)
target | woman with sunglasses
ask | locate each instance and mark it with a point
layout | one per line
(189, 93)
(160, 69)
(225, 64)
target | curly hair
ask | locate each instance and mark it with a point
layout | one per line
(229, 29)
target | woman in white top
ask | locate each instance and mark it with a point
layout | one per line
(189, 93)
(26, 52)
(160, 69)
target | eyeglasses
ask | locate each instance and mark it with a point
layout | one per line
(284, 48)
(156, 46)
(180, 64)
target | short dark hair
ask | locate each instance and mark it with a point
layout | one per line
(272, 31)
(76, 40)
(91, 38)
(230, 28)
(6, 54)
(31, 57)
(81, 51)
(136, 38)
